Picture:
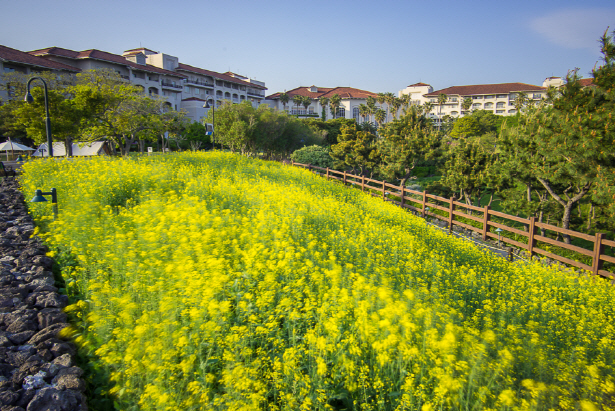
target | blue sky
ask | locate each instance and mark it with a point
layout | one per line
(372, 45)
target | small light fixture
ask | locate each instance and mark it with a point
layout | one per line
(499, 231)
(39, 198)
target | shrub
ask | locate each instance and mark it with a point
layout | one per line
(314, 155)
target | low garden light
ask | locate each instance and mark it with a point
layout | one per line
(39, 198)
(499, 231)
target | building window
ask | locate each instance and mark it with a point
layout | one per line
(188, 89)
(355, 113)
(488, 105)
(512, 111)
(476, 105)
(454, 99)
(537, 96)
(502, 96)
(454, 113)
(477, 97)
(501, 104)
(489, 96)
(341, 112)
(500, 111)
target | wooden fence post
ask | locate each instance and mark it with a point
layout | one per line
(598, 250)
(383, 188)
(292, 163)
(424, 202)
(451, 208)
(531, 231)
(362, 183)
(309, 167)
(327, 173)
(485, 222)
(402, 196)
(344, 177)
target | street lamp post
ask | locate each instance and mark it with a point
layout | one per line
(28, 98)
(213, 120)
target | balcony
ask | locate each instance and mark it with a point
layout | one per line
(199, 83)
(167, 84)
(255, 94)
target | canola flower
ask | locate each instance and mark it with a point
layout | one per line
(214, 282)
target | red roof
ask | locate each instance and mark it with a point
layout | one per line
(11, 55)
(503, 88)
(586, 82)
(343, 92)
(193, 99)
(419, 85)
(101, 55)
(220, 76)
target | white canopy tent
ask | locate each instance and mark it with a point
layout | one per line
(12, 147)
(95, 148)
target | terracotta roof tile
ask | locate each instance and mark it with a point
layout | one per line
(419, 85)
(12, 55)
(503, 88)
(343, 92)
(586, 82)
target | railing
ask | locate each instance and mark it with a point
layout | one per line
(256, 94)
(447, 209)
(171, 85)
(200, 83)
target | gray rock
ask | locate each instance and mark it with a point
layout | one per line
(21, 337)
(50, 316)
(8, 398)
(46, 333)
(64, 360)
(54, 399)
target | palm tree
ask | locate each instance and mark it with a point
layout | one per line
(427, 107)
(306, 102)
(520, 101)
(284, 99)
(466, 103)
(363, 111)
(442, 98)
(405, 101)
(380, 116)
(334, 104)
(324, 102)
(388, 99)
(298, 100)
(395, 105)
(370, 102)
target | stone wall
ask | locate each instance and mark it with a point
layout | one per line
(37, 369)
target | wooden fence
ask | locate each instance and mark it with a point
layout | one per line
(531, 230)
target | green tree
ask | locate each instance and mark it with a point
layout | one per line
(471, 171)
(334, 104)
(324, 102)
(465, 127)
(406, 142)
(196, 134)
(370, 102)
(298, 100)
(356, 149)
(380, 116)
(466, 104)
(442, 98)
(520, 101)
(306, 101)
(284, 99)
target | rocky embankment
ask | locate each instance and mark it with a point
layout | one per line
(37, 369)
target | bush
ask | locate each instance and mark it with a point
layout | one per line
(314, 155)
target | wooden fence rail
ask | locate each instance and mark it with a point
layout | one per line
(425, 204)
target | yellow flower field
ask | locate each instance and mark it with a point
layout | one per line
(215, 282)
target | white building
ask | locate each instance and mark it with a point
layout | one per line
(497, 98)
(182, 86)
(351, 99)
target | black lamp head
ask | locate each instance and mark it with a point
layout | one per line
(28, 98)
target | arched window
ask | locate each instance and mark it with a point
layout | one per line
(341, 112)
(355, 113)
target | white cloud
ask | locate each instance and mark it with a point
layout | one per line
(575, 28)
